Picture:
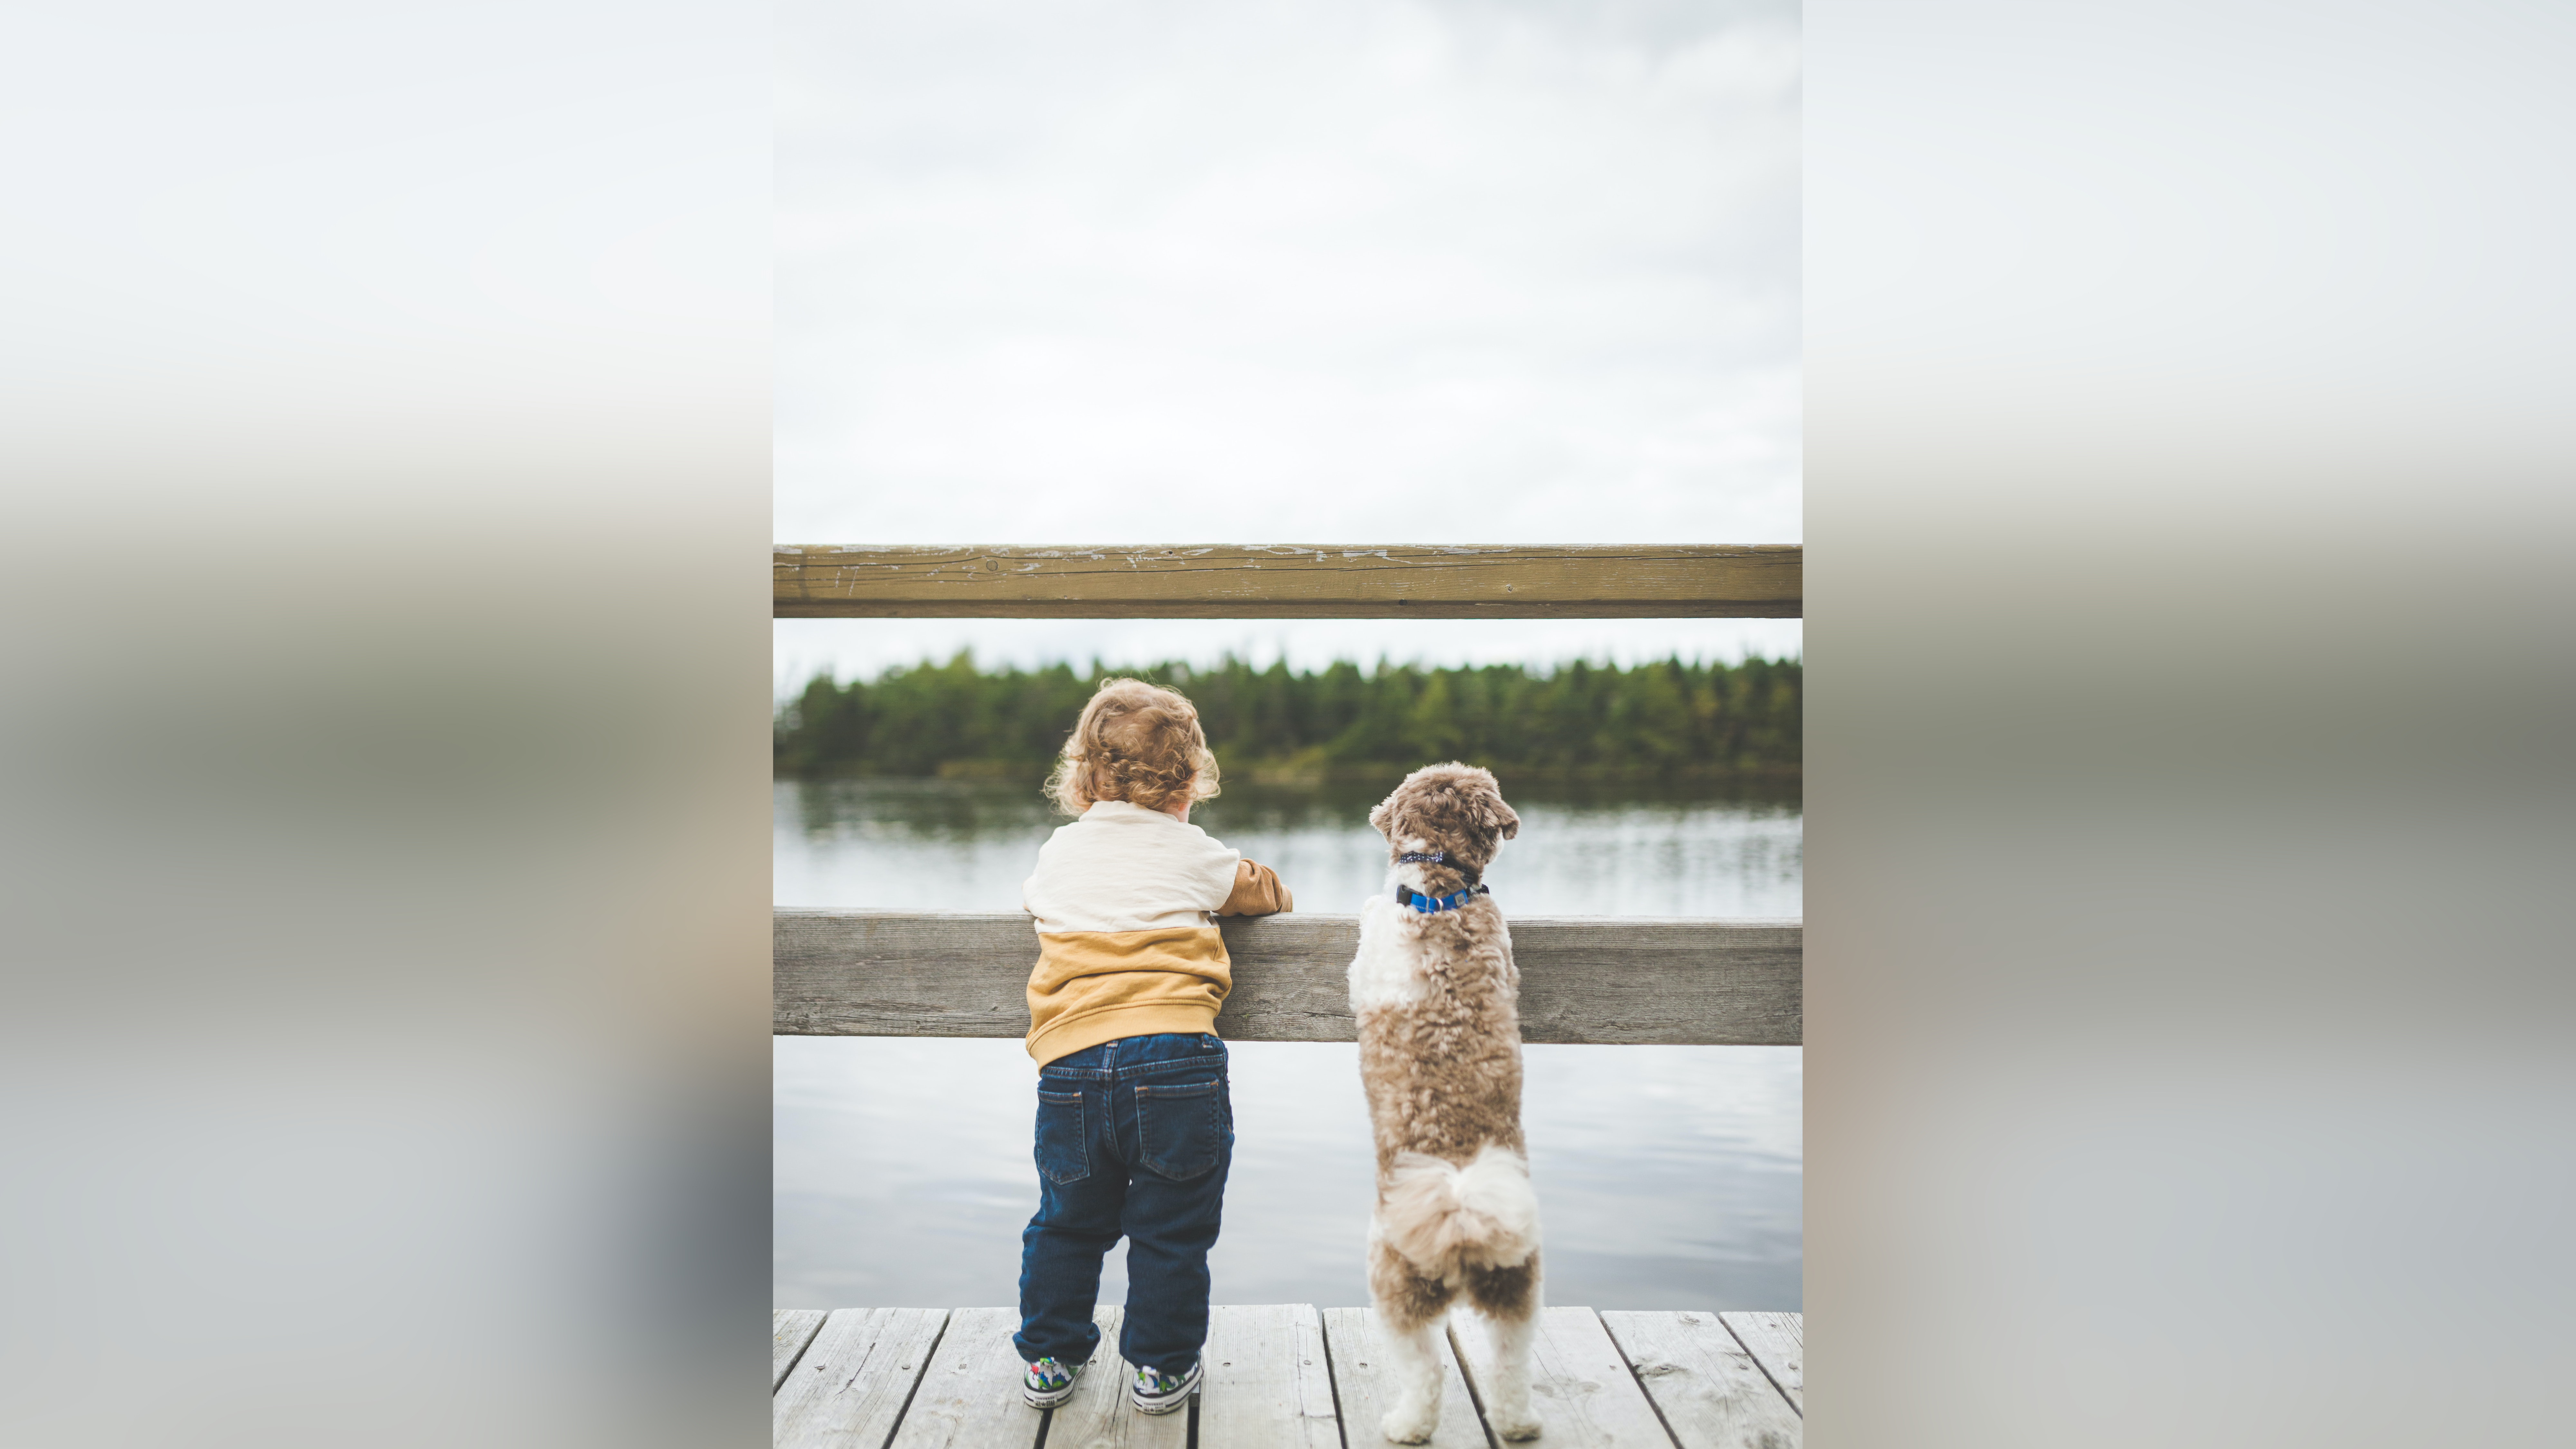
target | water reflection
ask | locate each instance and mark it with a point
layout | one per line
(1668, 1177)
(967, 845)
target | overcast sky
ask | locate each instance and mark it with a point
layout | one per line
(1321, 272)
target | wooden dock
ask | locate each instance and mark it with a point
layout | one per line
(1282, 1377)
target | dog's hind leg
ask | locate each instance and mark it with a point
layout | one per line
(1509, 1300)
(1410, 1311)
(1413, 1363)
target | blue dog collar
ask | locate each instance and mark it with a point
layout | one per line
(1408, 896)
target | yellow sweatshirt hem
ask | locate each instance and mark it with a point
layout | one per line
(1066, 1035)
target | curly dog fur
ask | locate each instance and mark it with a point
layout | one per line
(1440, 1057)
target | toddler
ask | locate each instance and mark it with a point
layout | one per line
(1134, 1130)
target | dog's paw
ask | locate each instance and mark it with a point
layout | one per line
(1514, 1424)
(1409, 1426)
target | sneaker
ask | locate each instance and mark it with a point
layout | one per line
(1156, 1392)
(1049, 1383)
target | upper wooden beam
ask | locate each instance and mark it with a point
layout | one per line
(1287, 581)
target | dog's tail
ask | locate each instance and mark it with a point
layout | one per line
(1443, 1217)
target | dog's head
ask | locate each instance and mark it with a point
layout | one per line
(1456, 809)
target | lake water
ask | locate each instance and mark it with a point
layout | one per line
(1668, 1177)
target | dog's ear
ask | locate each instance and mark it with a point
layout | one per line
(1486, 808)
(1382, 819)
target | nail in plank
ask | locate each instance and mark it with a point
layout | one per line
(1778, 1342)
(790, 1329)
(1360, 1378)
(970, 1395)
(1579, 1384)
(849, 1389)
(1712, 1394)
(1269, 1385)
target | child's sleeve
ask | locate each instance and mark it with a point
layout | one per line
(1257, 892)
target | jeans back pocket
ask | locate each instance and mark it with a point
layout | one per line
(1064, 1149)
(1180, 1126)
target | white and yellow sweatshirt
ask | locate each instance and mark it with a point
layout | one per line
(1126, 900)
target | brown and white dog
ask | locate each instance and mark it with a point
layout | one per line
(1440, 1056)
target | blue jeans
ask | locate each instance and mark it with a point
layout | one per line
(1134, 1137)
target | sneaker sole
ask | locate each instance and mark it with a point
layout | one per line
(1178, 1398)
(1050, 1400)
(1045, 1401)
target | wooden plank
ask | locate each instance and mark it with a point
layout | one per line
(969, 1397)
(1600, 979)
(887, 973)
(1579, 1383)
(1288, 581)
(1269, 1383)
(849, 1390)
(1654, 982)
(790, 1329)
(1098, 1415)
(1710, 1391)
(1292, 978)
(1358, 1351)
(1778, 1342)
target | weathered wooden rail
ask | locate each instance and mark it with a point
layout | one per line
(1283, 1377)
(1606, 980)
(1288, 581)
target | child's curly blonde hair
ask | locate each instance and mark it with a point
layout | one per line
(1135, 742)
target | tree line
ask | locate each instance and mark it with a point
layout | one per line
(1579, 720)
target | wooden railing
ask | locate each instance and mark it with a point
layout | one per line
(1288, 581)
(1583, 978)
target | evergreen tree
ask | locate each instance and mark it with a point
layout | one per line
(1662, 718)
